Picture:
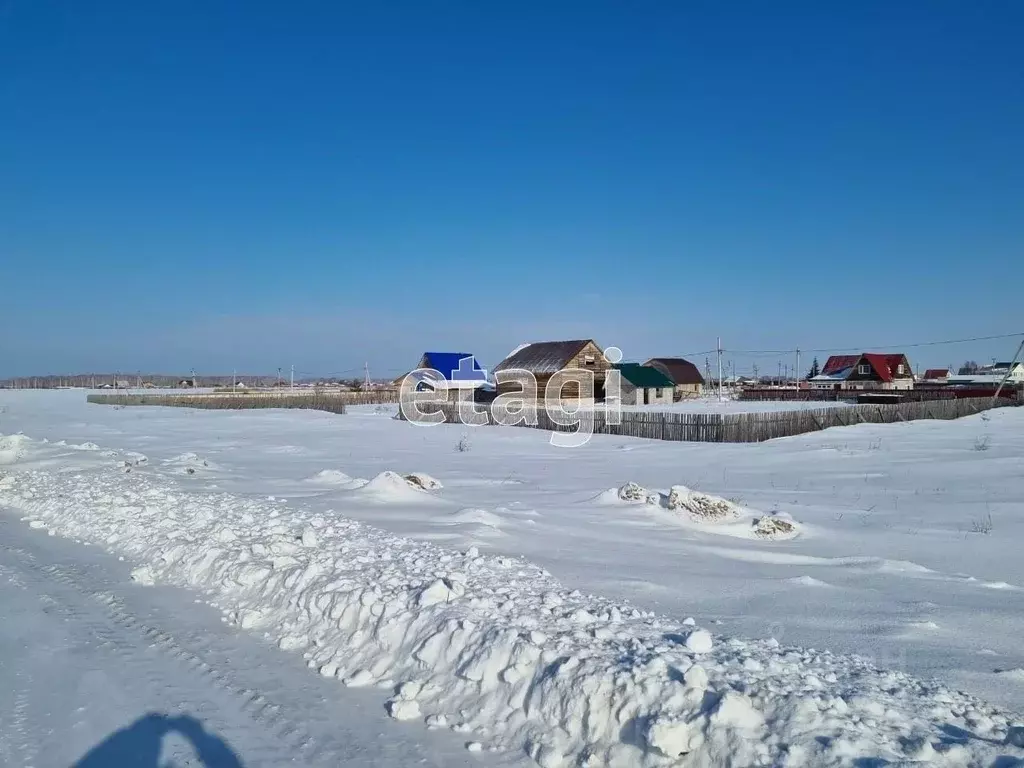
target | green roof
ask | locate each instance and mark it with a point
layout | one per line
(643, 376)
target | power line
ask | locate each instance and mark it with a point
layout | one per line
(876, 346)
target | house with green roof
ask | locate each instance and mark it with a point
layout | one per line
(644, 385)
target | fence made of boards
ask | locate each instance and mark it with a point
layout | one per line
(1008, 392)
(332, 403)
(733, 427)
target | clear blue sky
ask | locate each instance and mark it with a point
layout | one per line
(255, 184)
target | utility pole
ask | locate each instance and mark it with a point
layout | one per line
(719, 367)
(234, 380)
(756, 380)
(279, 376)
(779, 378)
(1006, 375)
(366, 371)
(797, 369)
(291, 382)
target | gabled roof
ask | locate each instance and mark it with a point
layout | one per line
(642, 376)
(884, 366)
(454, 366)
(887, 365)
(543, 356)
(937, 373)
(679, 370)
(838, 363)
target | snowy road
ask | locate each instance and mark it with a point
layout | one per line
(98, 671)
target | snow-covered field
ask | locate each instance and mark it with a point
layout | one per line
(524, 605)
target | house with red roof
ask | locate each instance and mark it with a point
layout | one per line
(868, 370)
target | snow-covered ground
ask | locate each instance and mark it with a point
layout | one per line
(906, 553)
(99, 672)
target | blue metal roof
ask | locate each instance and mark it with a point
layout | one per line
(456, 366)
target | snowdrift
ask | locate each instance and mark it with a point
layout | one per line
(496, 648)
(684, 506)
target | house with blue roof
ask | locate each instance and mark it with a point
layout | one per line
(461, 371)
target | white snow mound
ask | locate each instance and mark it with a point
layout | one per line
(390, 486)
(12, 448)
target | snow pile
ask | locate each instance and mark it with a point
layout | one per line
(774, 527)
(701, 507)
(423, 481)
(496, 648)
(12, 448)
(390, 486)
(706, 512)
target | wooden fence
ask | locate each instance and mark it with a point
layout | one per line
(733, 428)
(919, 393)
(330, 403)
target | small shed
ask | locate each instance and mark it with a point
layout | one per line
(644, 385)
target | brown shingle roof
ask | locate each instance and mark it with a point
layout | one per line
(676, 368)
(543, 356)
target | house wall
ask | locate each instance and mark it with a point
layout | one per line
(660, 395)
(871, 380)
(689, 390)
(630, 394)
(590, 358)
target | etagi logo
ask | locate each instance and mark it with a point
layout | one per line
(568, 405)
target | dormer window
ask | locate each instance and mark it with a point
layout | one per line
(899, 369)
(863, 369)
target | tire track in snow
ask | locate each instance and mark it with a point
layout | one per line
(102, 618)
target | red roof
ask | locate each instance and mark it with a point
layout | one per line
(838, 363)
(884, 366)
(937, 373)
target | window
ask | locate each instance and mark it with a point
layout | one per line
(657, 392)
(899, 369)
(588, 359)
(863, 369)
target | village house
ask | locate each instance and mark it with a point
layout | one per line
(936, 376)
(544, 359)
(460, 372)
(865, 371)
(685, 377)
(1014, 372)
(644, 385)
